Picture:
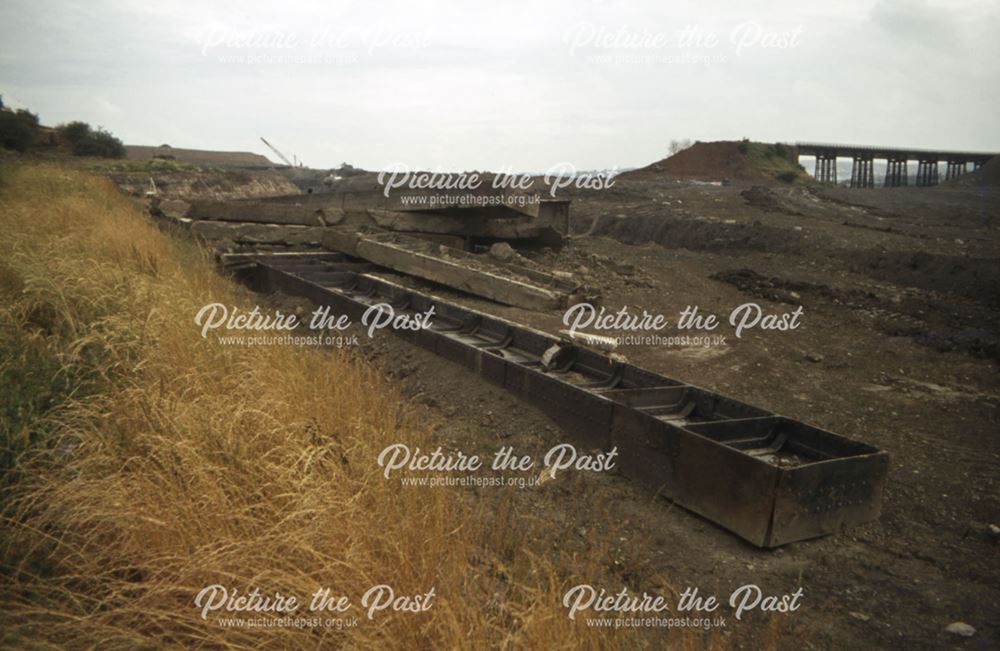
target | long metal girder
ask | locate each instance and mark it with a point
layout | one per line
(769, 479)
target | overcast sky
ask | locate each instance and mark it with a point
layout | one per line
(520, 85)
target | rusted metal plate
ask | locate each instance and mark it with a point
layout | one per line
(587, 416)
(725, 486)
(769, 479)
(647, 450)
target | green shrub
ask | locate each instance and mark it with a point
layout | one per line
(75, 132)
(788, 176)
(17, 129)
(100, 143)
(89, 142)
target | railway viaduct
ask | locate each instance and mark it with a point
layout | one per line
(863, 170)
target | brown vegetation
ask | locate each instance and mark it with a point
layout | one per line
(171, 461)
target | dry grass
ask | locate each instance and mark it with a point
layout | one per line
(144, 463)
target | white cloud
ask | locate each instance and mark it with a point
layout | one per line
(457, 85)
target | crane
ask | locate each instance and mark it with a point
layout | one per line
(279, 154)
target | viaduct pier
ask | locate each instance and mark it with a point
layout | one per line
(896, 174)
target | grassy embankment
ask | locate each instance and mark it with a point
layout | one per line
(142, 462)
(773, 160)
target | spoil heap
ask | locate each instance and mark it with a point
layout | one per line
(986, 176)
(716, 161)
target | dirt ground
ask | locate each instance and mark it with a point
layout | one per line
(897, 347)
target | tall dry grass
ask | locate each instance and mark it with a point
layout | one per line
(143, 462)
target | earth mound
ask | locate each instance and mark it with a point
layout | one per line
(988, 175)
(767, 200)
(716, 161)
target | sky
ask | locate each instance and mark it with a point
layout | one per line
(519, 86)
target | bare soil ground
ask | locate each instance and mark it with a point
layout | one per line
(897, 347)
(714, 161)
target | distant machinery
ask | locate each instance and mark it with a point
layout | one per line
(278, 153)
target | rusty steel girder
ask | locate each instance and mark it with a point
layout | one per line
(769, 479)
